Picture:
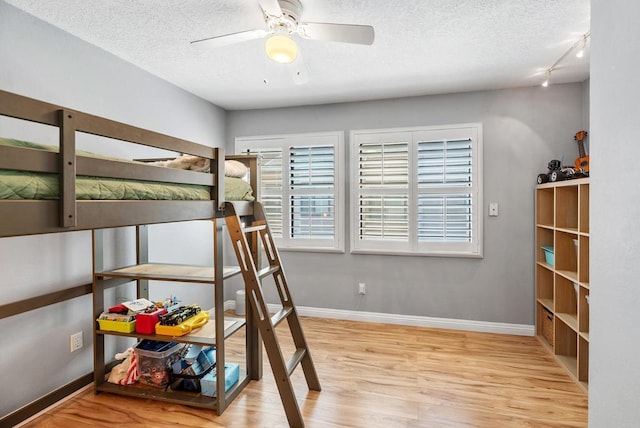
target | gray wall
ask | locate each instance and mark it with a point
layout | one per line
(523, 130)
(42, 62)
(614, 372)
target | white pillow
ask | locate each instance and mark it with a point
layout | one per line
(234, 168)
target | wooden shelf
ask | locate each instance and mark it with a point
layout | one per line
(170, 396)
(570, 275)
(570, 363)
(546, 265)
(547, 303)
(169, 272)
(202, 336)
(569, 230)
(562, 222)
(545, 226)
(571, 320)
(138, 278)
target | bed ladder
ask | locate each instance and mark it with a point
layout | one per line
(248, 260)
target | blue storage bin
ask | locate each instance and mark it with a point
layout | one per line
(549, 255)
(231, 377)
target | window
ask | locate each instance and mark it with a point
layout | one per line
(417, 191)
(301, 188)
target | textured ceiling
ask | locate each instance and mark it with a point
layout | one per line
(421, 46)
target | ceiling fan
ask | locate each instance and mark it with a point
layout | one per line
(281, 21)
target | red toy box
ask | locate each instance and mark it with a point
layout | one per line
(146, 321)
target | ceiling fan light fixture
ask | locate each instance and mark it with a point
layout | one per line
(281, 48)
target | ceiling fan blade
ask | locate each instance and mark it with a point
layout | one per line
(229, 39)
(271, 7)
(347, 33)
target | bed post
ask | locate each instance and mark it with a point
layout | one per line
(142, 257)
(67, 169)
(217, 168)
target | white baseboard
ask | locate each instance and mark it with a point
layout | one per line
(412, 320)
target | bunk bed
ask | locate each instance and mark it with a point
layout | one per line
(26, 217)
(68, 208)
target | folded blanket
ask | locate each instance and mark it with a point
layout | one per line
(232, 168)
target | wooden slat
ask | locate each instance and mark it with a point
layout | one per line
(242, 208)
(255, 228)
(120, 131)
(20, 107)
(281, 315)
(295, 359)
(25, 159)
(131, 171)
(28, 217)
(269, 270)
(32, 303)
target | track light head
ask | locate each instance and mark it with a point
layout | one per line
(546, 81)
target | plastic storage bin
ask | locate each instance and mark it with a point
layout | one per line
(146, 321)
(155, 360)
(549, 255)
(231, 377)
(120, 326)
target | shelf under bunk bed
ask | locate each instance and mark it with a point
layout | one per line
(184, 194)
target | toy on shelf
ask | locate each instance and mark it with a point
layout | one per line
(557, 172)
(581, 163)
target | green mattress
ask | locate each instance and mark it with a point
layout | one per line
(30, 185)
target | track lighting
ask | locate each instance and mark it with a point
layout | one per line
(582, 43)
(580, 53)
(546, 82)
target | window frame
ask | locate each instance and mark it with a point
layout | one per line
(414, 135)
(285, 142)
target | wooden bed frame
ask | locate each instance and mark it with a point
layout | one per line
(28, 217)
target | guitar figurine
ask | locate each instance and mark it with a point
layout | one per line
(582, 163)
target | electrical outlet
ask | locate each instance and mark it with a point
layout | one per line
(493, 209)
(362, 288)
(76, 341)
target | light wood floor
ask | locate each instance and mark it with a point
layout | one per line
(376, 375)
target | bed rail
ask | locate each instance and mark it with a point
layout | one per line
(68, 164)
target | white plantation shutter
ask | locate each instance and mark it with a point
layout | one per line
(417, 191)
(383, 165)
(312, 179)
(383, 168)
(301, 187)
(313, 217)
(271, 186)
(444, 218)
(383, 218)
(445, 165)
(312, 167)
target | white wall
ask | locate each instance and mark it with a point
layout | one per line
(43, 62)
(614, 372)
(523, 130)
